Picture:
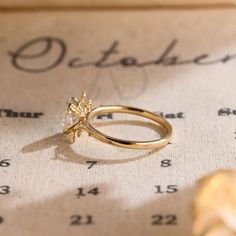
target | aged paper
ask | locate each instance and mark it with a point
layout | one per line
(112, 3)
(178, 63)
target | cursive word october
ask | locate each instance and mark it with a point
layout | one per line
(53, 52)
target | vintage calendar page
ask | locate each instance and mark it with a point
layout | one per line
(179, 63)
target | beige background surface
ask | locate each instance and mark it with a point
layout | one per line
(45, 171)
(107, 3)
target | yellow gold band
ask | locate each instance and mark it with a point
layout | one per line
(127, 143)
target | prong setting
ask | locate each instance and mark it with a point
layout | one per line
(75, 117)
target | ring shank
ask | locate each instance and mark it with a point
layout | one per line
(128, 143)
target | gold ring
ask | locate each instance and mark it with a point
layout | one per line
(80, 113)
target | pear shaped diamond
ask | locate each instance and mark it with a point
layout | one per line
(75, 117)
(69, 119)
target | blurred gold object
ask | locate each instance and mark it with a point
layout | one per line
(215, 205)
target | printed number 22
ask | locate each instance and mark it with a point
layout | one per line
(164, 220)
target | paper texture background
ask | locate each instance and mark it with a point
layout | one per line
(111, 3)
(45, 171)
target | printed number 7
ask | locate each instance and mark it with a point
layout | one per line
(91, 164)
